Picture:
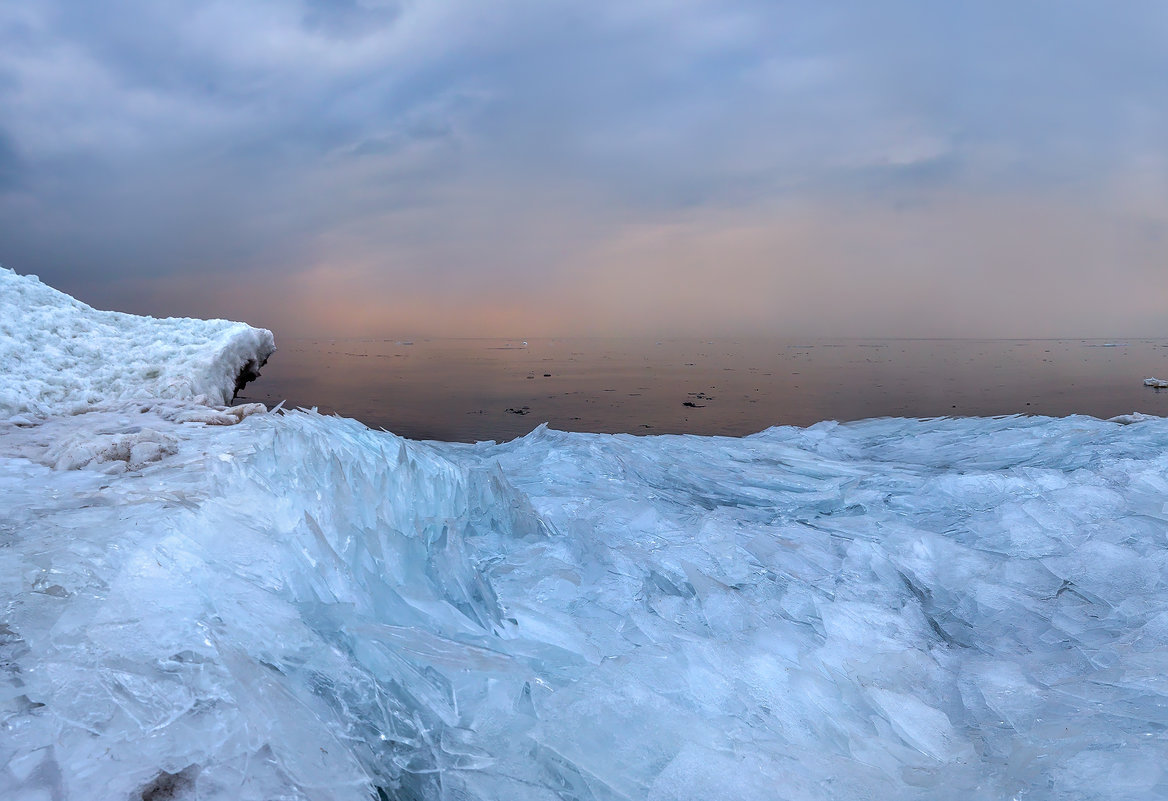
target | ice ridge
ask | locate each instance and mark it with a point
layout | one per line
(300, 607)
(59, 356)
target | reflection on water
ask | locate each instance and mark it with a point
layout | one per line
(473, 389)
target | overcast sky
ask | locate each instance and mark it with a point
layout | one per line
(530, 168)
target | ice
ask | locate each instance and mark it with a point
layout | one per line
(59, 356)
(295, 606)
(298, 605)
(1158, 383)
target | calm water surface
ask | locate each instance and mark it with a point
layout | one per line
(477, 389)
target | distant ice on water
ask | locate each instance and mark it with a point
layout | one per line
(298, 607)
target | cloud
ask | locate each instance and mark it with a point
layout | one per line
(507, 150)
(11, 165)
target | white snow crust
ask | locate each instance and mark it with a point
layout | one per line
(298, 607)
(59, 356)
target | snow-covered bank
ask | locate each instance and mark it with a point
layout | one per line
(60, 356)
(299, 607)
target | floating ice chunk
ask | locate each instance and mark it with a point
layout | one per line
(217, 415)
(1158, 383)
(1134, 417)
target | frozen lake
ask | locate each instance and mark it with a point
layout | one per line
(225, 604)
(463, 389)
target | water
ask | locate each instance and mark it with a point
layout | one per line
(479, 389)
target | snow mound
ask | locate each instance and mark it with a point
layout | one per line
(298, 607)
(59, 356)
(113, 441)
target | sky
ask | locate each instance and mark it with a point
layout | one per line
(611, 167)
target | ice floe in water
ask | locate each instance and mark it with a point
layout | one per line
(298, 607)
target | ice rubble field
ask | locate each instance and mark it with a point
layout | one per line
(298, 607)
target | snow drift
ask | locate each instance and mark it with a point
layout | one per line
(299, 607)
(59, 356)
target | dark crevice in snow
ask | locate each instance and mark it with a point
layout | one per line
(171, 786)
(249, 372)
